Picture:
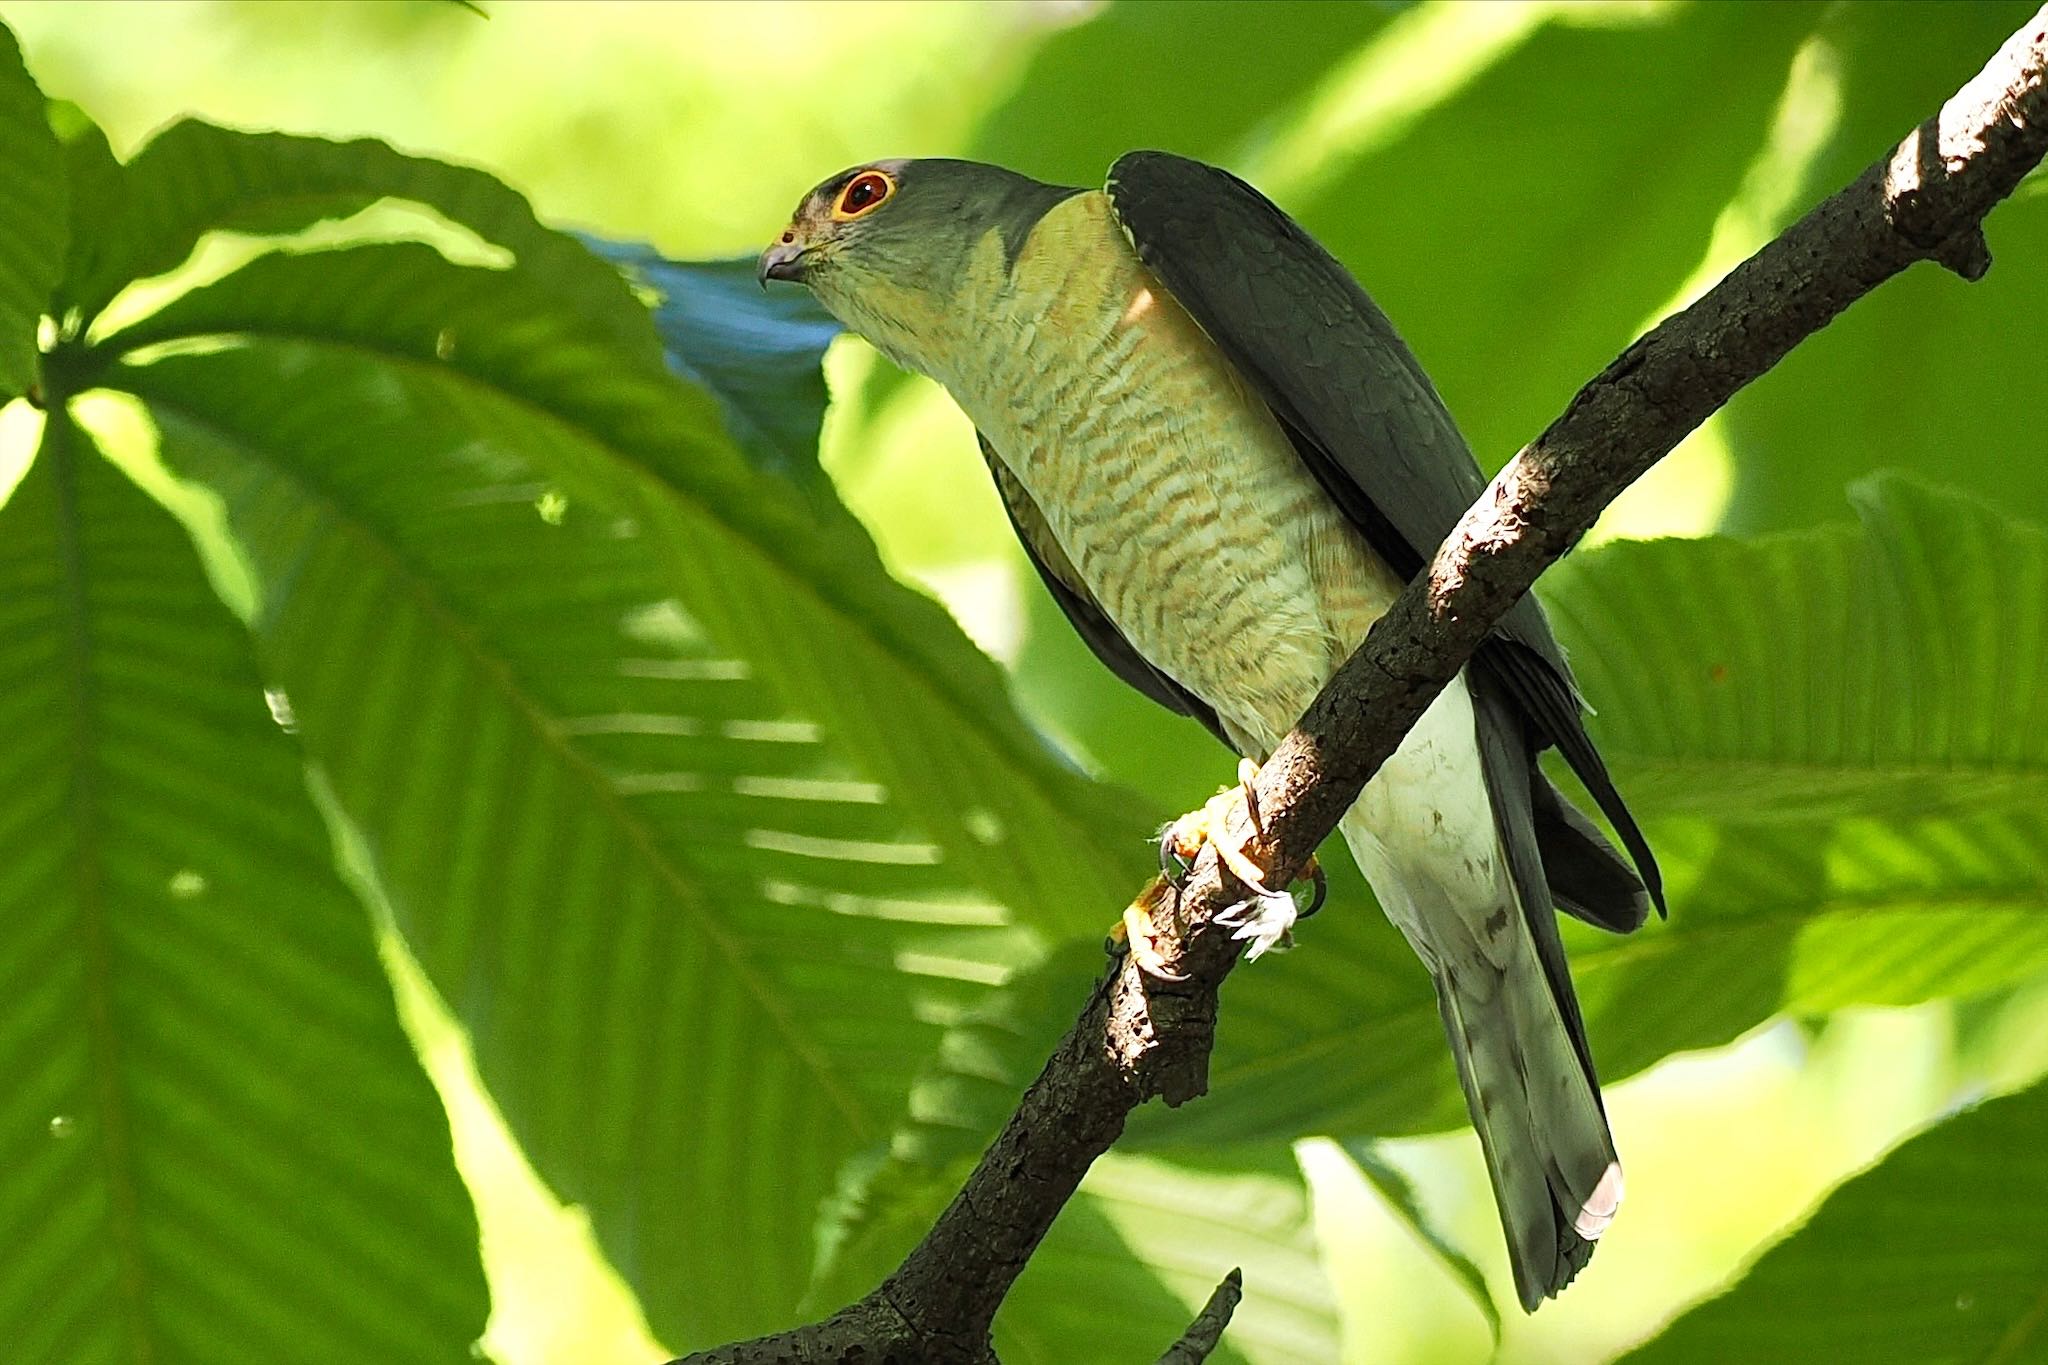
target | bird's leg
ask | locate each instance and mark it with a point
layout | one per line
(1267, 917)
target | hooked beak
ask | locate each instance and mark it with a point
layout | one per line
(782, 261)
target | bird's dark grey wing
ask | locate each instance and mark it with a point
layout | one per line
(1088, 618)
(1359, 409)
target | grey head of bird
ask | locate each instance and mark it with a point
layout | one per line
(897, 249)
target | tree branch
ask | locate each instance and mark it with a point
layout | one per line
(1141, 1037)
(1206, 1331)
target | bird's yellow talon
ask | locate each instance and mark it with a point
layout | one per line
(1137, 930)
(1267, 916)
(1185, 837)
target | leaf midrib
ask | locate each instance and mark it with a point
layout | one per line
(666, 868)
(103, 1034)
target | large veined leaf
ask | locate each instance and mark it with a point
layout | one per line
(1838, 748)
(1933, 1257)
(218, 1143)
(702, 825)
(660, 908)
(32, 219)
(1855, 778)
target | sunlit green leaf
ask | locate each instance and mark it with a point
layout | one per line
(1519, 232)
(1401, 1196)
(1932, 1257)
(208, 1093)
(1925, 374)
(1088, 96)
(1143, 1245)
(32, 219)
(1136, 1253)
(605, 840)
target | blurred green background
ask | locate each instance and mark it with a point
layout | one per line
(1524, 188)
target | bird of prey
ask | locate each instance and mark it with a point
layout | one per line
(1225, 464)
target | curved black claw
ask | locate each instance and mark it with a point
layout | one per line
(1172, 866)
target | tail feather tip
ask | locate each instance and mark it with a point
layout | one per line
(1599, 1209)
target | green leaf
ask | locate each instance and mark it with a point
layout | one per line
(962, 1097)
(1922, 375)
(208, 1091)
(1887, 673)
(1137, 1251)
(1935, 1255)
(33, 212)
(1853, 782)
(758, 352)
(1841, 756)
(677, 929)
(1135, 1255)
(91, 173)
(1109, 65)
(1403, 1199)
(1606, 161)
(195, 178)
(703, 826)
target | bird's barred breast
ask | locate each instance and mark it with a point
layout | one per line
(1169, 484)
(1194, 522)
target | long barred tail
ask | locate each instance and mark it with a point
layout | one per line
(1486, 928)
(1549, 1154)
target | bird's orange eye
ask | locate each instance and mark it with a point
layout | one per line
(863, 193)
